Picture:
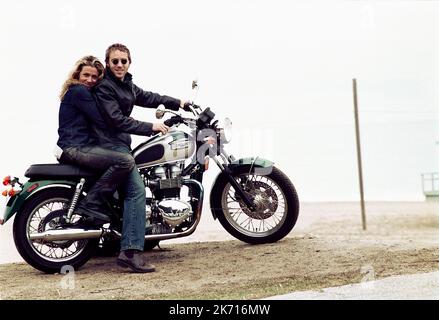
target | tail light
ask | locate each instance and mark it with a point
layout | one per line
(6, 180)
(11, 191)
(13, 186)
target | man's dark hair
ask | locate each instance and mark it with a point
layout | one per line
(114, 47)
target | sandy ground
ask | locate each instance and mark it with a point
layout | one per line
(326, 248)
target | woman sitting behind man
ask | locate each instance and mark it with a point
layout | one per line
(78, 114)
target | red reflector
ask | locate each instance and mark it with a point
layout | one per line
(32, 187)
(11, 192)
(6, 180)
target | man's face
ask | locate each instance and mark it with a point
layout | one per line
(118, 63)
(88, 76)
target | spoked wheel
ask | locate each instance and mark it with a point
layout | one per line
(275, 199)
(45, 212)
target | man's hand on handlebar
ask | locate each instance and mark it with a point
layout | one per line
(185, 105)
(160, 127)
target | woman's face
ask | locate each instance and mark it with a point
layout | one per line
(88, 76)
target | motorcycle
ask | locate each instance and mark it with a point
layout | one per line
(251, 198)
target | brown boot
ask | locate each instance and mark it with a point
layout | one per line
(134, 260)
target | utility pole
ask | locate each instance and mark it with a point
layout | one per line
(360, 169)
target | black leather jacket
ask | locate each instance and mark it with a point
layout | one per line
(79, 118)
(116, 100)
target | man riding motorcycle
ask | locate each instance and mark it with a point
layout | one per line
(116, 95)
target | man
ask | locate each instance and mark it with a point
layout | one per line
(116, 96)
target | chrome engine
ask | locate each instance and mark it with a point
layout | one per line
(165, 182)
(170, 171)
(174, 212)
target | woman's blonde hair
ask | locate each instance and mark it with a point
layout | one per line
(73, 77)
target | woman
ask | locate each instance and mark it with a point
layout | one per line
(78, 119)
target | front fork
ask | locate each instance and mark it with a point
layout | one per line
(246, 198)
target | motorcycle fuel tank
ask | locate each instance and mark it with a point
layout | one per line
(171, 147)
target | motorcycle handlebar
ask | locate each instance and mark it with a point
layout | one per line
(192, 108)
(177, 119)
(173, 121)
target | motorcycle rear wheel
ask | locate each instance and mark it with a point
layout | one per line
(277, 206)
(49, 257)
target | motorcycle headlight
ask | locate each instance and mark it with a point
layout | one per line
(226, 131)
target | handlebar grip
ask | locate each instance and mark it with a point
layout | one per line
(173, 120)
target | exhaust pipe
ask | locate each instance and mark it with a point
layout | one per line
(80, 234)
(67, 234)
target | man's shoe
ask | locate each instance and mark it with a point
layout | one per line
(134, 261)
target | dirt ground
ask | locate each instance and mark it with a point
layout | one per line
(327, 248)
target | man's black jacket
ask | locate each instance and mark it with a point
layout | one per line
(116, 100)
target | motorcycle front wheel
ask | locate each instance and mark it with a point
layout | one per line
(275, 198)
(40, 213)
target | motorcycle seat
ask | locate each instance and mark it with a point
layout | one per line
(58, 171)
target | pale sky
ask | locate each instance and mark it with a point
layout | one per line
(281, 70)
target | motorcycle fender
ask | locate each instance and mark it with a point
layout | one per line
(256, 165)
(31, 188)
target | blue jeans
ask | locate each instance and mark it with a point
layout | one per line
(134, 208)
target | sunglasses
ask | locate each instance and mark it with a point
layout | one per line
(116, 61)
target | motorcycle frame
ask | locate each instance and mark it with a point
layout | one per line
(227, 164)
